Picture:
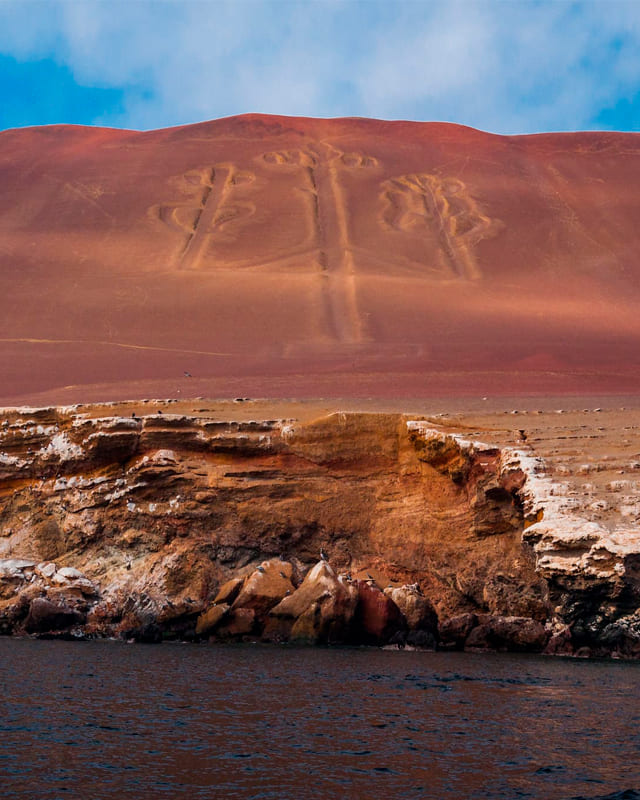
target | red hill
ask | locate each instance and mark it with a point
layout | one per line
(297, 257)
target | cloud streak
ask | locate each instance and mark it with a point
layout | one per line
(508, 67)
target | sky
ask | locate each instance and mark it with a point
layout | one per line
(506, 66)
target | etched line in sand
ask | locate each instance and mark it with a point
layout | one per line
(28, 340)
(417, 201)
(208, 210)
(334, 243)
(322, 166)
(89, 194)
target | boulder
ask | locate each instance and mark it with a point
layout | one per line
(622, 637)
(14, 567)
(238, 623)
(265, 587)
(46, 569)
(514, 634)
(85, 587)
(12, 576)
(14, 612)
(229, 591)
(45, 616)
(560, 642)
(418, 612)
(453, 632)
(71, 573)
(208, 621)
(377, 619)
(321, 610)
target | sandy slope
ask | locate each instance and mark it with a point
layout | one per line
(292, 257)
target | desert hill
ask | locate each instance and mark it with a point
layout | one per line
(289, 257)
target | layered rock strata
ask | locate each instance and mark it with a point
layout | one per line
(170, 526)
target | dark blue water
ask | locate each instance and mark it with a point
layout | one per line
(106, 720)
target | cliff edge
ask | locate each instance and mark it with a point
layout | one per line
(351, 528)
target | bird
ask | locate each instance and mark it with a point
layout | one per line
(187, 374)
(133, 414)
(323, 555)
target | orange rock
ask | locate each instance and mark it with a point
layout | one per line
(208, 621)
(228, 592)
(265, 587)
(240, 622)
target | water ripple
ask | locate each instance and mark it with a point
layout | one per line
(103, 720)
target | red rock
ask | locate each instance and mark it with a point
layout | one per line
(560, 644)
(354, 483)
(357, 484)
(377, 617)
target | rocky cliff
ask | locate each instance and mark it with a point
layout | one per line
(353, 528)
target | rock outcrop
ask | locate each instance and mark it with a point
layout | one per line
(320, 611)
(168, 526)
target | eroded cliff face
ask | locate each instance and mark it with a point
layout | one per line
(164, 525)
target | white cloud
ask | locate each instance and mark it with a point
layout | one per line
(499, 65)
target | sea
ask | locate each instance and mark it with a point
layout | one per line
(101, 719)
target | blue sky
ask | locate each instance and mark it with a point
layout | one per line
(507, 66)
